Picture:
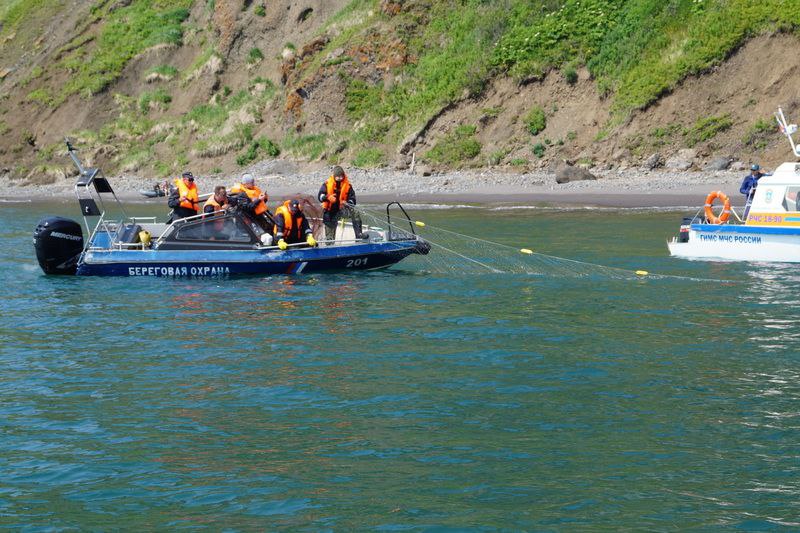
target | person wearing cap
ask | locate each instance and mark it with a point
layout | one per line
(338, 199)
(253, 200)
(183, 199)
(291, 226)
(748, 188)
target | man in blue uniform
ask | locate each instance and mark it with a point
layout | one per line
(749, 185)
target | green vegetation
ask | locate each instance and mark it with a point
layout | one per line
(455, 148)
(707, 128)
(135, 160)
(199, 61)
(496, 157)
(371, 157)
(538, 150)
(638, 49)
(13, 12)
(159, 99)
(254, 56)
(571, 75)
(361, 99)
(127, 32)
(36, 72)
(309, 146)
(260, 10)
(165, 71)
(535, 120)
(41, 96)
(518, 162)
(758, 134)
(635, 50)
(257, 146)
(208, 116)
(211, 117)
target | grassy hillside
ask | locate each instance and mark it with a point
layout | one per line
(636, 50)
(383, 69)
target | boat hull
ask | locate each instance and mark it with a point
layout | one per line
(210, 263)
(739, 243)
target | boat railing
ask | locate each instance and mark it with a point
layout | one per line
(700, 216)
(788, 130)
(144, 220)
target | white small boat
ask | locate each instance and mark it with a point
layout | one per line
(770, 231)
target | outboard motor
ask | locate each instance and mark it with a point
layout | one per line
(59, 243)
(686, 225)
(422, 247)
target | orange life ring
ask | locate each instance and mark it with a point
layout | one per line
(726, 207)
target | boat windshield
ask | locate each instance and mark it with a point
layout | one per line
(225, 227)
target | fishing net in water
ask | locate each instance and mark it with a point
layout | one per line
(456, 252)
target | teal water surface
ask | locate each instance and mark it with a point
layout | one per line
(424, 397)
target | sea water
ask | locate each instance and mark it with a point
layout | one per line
(426, 396)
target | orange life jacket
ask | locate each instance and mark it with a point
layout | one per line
(344, 193)
(218, 224)
(216, 205)
(253, 193)
(291, 223)
(190, 193)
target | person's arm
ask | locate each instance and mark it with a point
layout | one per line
(174, 200)
(322, 195)
(305, 229)
(208, 209)
(308, 232)
(280, 226)
(746, 186)
(244, 201)
(351, 196)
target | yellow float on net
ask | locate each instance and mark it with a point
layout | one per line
(420, 223)
(526, 250)
(642, 272)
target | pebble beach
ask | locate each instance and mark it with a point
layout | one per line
(613, 188)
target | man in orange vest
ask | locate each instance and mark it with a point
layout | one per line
(253, 201)
(216, 202)
(291, 226)
(183, 199)
(338, 199)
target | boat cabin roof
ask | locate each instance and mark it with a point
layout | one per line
(787, 174)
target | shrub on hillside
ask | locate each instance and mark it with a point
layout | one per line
(535, 120)
(758, 134)
(371, 157)
(158, 98)
(707, 128)
(455, 148)
(254, 56)
(571, 75)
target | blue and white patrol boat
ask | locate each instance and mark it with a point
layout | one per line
(768, 230)
(220, 244)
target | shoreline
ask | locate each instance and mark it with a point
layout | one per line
(612, 189)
